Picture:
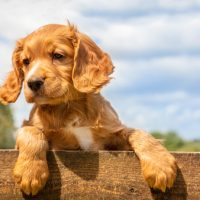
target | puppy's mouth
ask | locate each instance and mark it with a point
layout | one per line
(41, 98)
(46, 93)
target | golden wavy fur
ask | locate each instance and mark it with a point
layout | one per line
(62, 71)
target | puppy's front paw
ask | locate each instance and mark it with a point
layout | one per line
(31, 175)
(159, 171)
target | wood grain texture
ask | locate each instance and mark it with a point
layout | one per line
(101, 175)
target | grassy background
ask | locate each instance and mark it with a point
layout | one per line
(173, 142)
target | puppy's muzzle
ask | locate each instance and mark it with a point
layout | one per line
(35, 84)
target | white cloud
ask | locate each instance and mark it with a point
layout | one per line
(183, 70)
(5, 60)
(140, 35)
(152, 35)
(136, 5)
(162, 111)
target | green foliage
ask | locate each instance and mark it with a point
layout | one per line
(191, 146)
(6, 127)
(173, 142)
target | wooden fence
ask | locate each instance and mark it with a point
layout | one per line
(101, 175)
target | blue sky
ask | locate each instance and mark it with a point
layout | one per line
(154, 45)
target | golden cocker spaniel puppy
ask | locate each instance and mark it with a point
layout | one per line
(62, 72)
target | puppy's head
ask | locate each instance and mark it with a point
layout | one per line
(57, 64)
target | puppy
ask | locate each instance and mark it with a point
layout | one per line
(62, 72)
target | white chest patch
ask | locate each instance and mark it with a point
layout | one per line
(84, 137)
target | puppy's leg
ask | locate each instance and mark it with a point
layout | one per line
(158, 165)
(31, 169)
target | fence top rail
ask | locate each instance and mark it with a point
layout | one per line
(101, 175)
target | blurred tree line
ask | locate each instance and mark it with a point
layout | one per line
(6, 128)
(173, 142)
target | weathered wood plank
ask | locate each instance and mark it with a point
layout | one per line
(101, 175)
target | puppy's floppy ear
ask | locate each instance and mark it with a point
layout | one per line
(13, 83)
(92, 66)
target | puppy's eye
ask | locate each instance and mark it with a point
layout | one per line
(57, 56)
(26, 61)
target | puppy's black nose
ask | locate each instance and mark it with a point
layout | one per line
(35, 84)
